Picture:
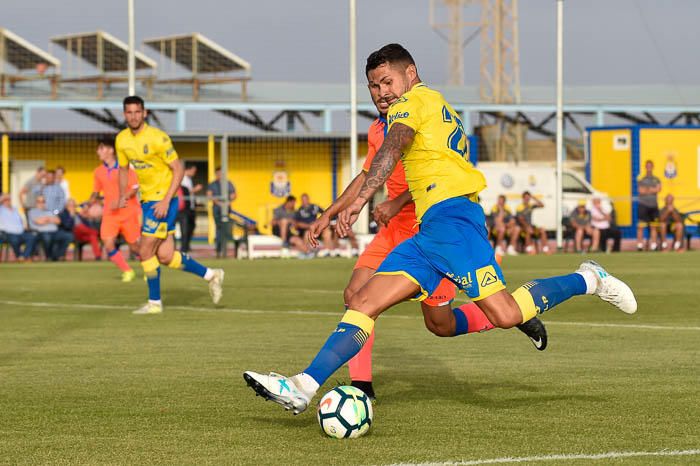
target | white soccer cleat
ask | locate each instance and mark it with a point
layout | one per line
(216, 285)
(510, 250)
(149, 308)
(278, 388)
(611, 289)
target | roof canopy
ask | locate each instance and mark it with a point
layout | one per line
(21, 54)
(102, 50)
(198, 54)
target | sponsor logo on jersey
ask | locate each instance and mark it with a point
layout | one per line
(397, 115)
(145, 148)
(140, 164)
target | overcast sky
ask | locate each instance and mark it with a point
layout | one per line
(606, 41)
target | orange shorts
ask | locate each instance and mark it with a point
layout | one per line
(126, 223)
(387, 239)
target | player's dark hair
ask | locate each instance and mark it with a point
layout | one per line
(107, 141)
(52, 172)
(391, 54)
(290, 198)
(134, 99)
(527, 192)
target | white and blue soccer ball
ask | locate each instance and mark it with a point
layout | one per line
(345, 412)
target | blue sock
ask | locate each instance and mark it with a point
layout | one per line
(184, 262)
(344, 343)
(113, 252)
(461, 322)
(153, 281)
(548, 292)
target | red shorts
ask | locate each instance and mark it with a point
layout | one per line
(127, 223)
(387, 239)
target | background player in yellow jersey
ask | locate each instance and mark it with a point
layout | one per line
(151, 153)
(427, 135)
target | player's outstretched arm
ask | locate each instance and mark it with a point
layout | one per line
(399, 137)
(343, 201)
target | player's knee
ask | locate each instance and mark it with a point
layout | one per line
(165, 257)
(348, 294)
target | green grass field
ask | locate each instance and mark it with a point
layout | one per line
(82, 381)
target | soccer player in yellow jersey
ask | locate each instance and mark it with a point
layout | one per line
(427, 135)
(151, 153)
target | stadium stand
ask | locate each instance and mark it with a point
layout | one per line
(21, 61)
(108, 56)
(205, 61)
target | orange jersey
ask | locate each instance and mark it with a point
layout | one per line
(396, 184)
(106, 181)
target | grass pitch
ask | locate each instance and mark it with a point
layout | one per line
(82, 381)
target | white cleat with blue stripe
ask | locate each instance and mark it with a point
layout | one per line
(611, 289)
(278, 388)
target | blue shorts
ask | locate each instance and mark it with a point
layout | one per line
(158, 227)
(452, 243)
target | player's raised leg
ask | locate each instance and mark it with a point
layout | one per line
(378, 294)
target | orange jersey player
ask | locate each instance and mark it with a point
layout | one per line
(115, 220)
(397, 217)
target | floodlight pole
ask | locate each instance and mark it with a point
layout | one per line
(353, 89)
(560, 118)
(132, 48)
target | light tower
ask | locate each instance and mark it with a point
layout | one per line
(499, 64)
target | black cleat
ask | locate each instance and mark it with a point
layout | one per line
(365, 387)
(535, 330)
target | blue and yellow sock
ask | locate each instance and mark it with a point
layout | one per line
(351, 334)
(151, 269)
(182, 261)
(543, 294)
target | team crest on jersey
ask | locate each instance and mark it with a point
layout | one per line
(145, 148)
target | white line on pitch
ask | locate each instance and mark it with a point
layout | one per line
(319, 313)
(594, 456)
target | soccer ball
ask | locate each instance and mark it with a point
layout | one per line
(345, 412)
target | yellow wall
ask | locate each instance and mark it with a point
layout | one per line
(683, 147)
(252, 161)
(611, 170)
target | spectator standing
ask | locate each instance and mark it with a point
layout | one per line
(187, 217)
(670, 215)
(221, 211)
(581, 220)
(45, 223)
(12, 226)
(62, 181)
(524, 218)
(648, 207)
(53, 193)
(31, 189)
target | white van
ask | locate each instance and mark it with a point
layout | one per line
(540, 179)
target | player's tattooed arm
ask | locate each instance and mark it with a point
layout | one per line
(399, 137)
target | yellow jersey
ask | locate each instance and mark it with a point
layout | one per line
(149, 152)
(437, 163)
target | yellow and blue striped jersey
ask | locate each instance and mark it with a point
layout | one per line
(437, 163)
(149, 152)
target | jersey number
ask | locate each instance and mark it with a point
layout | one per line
(457, 140)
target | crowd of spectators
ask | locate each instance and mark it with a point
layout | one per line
(49, 220)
